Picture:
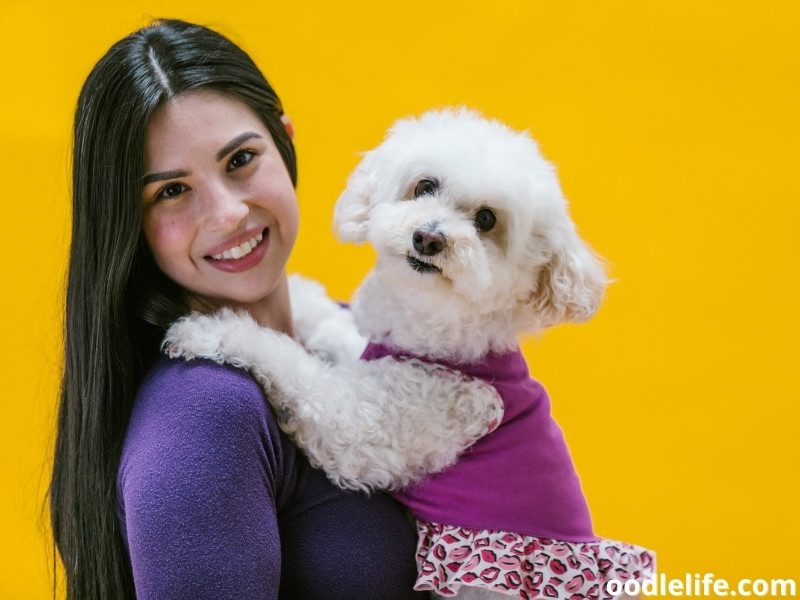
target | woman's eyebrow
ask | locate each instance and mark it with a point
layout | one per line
(224, 151)
(235, 143)
(163, 176)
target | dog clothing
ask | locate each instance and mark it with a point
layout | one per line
(510, 515)
(214, 501)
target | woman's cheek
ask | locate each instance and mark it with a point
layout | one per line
(167, 236)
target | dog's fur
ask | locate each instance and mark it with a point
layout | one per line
(446, 285)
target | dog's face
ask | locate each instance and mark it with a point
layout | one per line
(456, 205)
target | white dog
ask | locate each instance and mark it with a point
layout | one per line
(474, 247)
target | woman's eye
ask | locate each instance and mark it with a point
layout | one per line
(171, 191)
(485, 219)
(426, 187)
(240, 159)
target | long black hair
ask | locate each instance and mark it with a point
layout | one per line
(118, 303)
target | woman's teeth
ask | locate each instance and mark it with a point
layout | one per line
(240, 251)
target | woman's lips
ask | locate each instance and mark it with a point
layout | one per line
(241, 250)
(242, 257)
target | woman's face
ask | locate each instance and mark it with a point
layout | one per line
(220, 211)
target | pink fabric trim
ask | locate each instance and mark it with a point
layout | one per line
(523, 566)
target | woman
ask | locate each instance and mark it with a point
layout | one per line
(171, 479)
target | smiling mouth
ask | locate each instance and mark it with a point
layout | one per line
(422, 267)
(240, 251)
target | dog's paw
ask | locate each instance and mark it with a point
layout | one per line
(336, 341)
(492, 414)
(325, 327)
(486, 411)
(189, 337)
(204, 336)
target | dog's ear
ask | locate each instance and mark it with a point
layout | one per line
(570, 286)
(351, 213)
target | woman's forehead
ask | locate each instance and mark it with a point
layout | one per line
(197, 121)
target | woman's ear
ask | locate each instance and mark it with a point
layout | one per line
(571, 285)
(288, 126)
(351, 213)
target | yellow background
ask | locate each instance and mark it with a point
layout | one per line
(675, 129)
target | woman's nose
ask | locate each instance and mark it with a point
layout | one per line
(225, 207)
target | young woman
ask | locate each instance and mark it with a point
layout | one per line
(171, 479)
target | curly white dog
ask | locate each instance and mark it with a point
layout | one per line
(474, 247)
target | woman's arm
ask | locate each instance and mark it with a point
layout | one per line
(198, 486)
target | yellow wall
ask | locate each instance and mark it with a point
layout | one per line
(675, 129)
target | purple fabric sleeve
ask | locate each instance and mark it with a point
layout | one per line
(215, 502)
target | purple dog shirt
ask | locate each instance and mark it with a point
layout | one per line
(519, 478)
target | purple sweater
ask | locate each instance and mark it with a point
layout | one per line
(215, 502)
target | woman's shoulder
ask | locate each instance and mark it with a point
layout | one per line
(178, 376)
(198, 404)
(196, 387)
(199, 416)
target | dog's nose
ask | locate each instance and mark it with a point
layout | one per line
(428, 242)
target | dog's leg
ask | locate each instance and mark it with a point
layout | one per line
(323, 326)
(377, 424)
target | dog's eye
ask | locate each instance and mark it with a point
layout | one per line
(485, 219)
(426, 187)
